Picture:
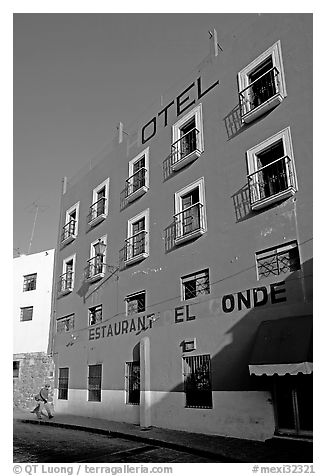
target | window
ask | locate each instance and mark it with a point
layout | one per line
(133, 383)
(136, 303)
(278, 260)
(187, 139)
(271, 169)
(26, 313)
(137, 243)
(194, 284)
(262, 84)
(63, 383)
(16, 368)
(70, 229)
(95, 315)
(190, 216)
(197, 381)
(99, 208)
(138, 181)
(66, 280)
(94, 382)
(97, 263)
(66, 323)
(30, 282)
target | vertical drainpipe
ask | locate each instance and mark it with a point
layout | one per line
(145, 383)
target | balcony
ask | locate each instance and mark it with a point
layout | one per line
(260, 96)
(65, 283)
(185, 150)
(136, 248)
(97, 212)
(69, 232)
(136, 185)
(189, 223)
(95, 269)
(272, 183)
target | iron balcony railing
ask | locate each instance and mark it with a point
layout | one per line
(189, 220)
(278, 263)
(97, 209)
(136, 181)
(95, 266)
(69, 230)
(65, 282)
(135, 245)
(259, 91)
(184, 146)
(272, 179)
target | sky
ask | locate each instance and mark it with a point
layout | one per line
(75, 76)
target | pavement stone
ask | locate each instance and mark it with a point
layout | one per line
(224, 449)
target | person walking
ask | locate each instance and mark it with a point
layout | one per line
(43, 398)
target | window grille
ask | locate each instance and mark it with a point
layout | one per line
(133, 382)
(197, 381)
(95, 315)
(66, 324)
(94, 382)
(26, 313)
(136, 303)
(63, 383)
(278, 260)
(195, 284)
(30, 282)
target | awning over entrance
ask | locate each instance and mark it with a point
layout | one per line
(283, 346)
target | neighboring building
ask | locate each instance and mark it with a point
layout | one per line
(184, 268)
(33, 277)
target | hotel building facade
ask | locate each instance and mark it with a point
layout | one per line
(184, 266)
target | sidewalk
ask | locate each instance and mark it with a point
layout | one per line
(219, 448)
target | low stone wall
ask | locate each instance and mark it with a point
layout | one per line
(34, 369)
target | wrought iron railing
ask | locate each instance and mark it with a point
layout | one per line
(65, 282)
(196, 284)
(278, 262)
(95, 266)
(136, 181)
(133, 383)
(135, 245)
(189, 220)
(97, 209)
(184, 146)
(68, 230)
(259, 91)
(271, 179)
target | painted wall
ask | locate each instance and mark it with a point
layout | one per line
(242, 406)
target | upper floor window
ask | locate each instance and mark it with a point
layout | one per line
(66, 323)
(198, 381)
(26, 313)
(99, 207)
(29, 282)
(187, 139)
(95, 315)
(190, 212)
(262, 84)
(194, 284)
(138, 178)
(271, 169)
(136, 303)
(278, 260)
(70, 228)
(137, 242)
(67, 278)
(97, 263)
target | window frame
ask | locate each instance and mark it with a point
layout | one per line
(63, 390)
(93, 255)
(25, 308)
(97, 219)
(100, 306)
(26, 282)
(276, 251)
(72, 258)
(134, 258)
(14, 376)
(200, 184)
(197, 113)
(275, 53)
(72, 236)
(67, 318)
(253, 167)
(128, 375)
(186, 278)
(89, 389)
(194, 359)
(133, 295)
(144, 188)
